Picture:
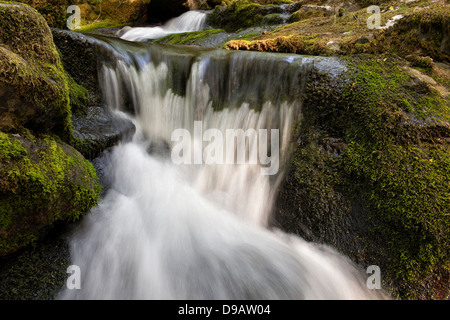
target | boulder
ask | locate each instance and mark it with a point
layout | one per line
(33, 85)
(42, 179)
(244, 14)
(113, 11)
(369, 175)
(95, 129)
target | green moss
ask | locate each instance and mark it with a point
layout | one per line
(400, 171)
(33, 67)
(42, 182)
(187, 38)
(107, 23)
(95, 13)
(425, 63)
(78, 95)
(37, 272)
(371, 174)
(309, 45)
(421, 31)
(10, 149)
(237, 15)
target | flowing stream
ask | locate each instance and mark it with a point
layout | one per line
(193, 20)
(199, 229)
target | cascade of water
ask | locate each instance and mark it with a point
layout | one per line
(193, 20)
(199, 231)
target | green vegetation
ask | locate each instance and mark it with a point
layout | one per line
(399, 167)
(107, 23)
(94, 13)
(422, 31)
(236, 16)
(380, 152)
(241, 14)
(78, 96)
(34, 69)
(187, 38)
(53, 11)
(41, 181)
(309, 45)
(37, 272)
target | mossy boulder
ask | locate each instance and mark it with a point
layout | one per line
(309, 45)
(79, 58)
(244, 14)
(422, 29)
(53, 11)
(41, 181)
(34, 88)
(42, 178)
(92, 12)
(311, 11)
(94, 127)
(371, 174)
(112, 13)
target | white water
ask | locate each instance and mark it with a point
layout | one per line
(166, 231)
(189, 21)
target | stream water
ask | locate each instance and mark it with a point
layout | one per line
(198, 230)
(190, 21)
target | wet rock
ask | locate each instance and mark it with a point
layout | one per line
(42, 182)
(79, 57)
(244, 15)
(99, 129)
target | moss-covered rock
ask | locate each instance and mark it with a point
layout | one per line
(235, 16)
(97, 13)
(311, 11)
(244, 14)
(112, 13)
(94, 127)
(424, 32)
(422, 29)
(37, 272)
(310, 45)
(371, 174)
(41, 181)
(79, 58)
(188, 38)
(53, 11)
(33, 81)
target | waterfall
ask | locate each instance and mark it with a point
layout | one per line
(200, 230)
(193, 20)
